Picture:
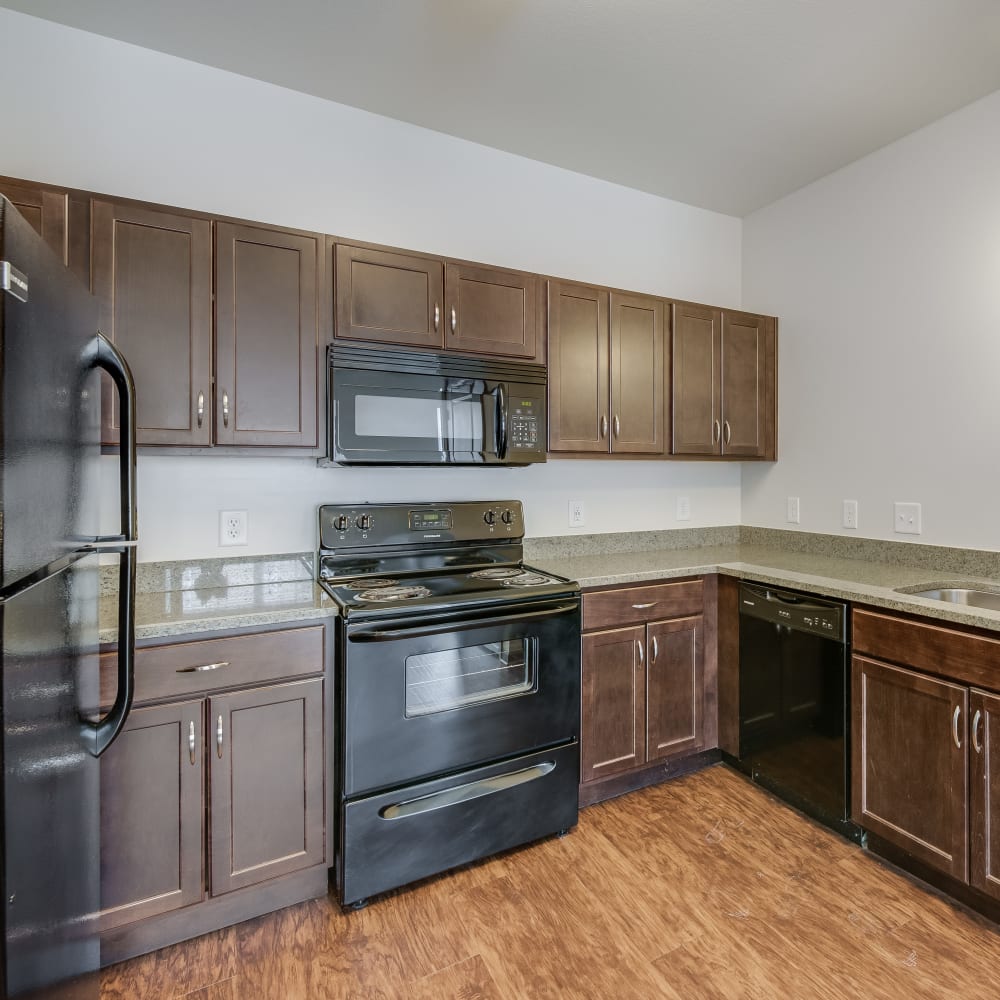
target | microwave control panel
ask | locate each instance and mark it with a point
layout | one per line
(525, 424)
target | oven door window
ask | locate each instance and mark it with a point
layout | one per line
(449, 679)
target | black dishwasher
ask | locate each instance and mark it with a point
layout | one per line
(794, 701)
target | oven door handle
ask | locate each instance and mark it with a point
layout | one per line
(388, 634)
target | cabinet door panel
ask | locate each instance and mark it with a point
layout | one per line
(494, 311)
(909, 771)
(152, 276)
(266, 774)
(675, 687)
(578, 345)
(985, 792)
(389, 297)
(266, 337)
(152, 814)
(638, 374)
(696, 384)
(613, 709)
(45, 210)
(744, 393)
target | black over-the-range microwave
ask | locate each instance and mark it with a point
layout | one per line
(390, 407)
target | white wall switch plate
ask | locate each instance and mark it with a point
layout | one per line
(850, 513)
(683, 508)
(576, 518)
(232, 527)
(792, 514)
(906, 518)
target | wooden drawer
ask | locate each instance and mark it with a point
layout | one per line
(962, 656)
(631, 605)
(181, 669)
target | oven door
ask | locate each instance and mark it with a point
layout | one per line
(430, 419)
(423, 697)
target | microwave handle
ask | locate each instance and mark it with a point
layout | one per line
(501, 422)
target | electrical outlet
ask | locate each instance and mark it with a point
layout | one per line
(792, 513)
(576, 519)
(850, 513)
(232, 527)
(906, 518)
(683, 508)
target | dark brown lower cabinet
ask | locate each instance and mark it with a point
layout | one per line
(266, 783)
(985, 792)
(675, 687)
(152, 813)
(910, 763)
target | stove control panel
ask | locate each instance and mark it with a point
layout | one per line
(345, 525)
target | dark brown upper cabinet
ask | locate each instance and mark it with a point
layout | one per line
(60, 217)
(266, 336)
(400, 298)
(152, 276)
(723, 386)
(607, 371)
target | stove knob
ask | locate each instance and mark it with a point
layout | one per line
(341, 522)
(490, 517)
(507, 516)
(364, 522)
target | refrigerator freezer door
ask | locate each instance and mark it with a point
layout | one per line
(49, 408)
(51, 788)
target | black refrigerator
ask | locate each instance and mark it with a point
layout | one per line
(54, 725)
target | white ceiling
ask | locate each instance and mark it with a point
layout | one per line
(724, 104)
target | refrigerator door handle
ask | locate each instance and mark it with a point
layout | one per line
(98, 736)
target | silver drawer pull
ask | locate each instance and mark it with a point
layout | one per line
(225, 409)
(977, 745)
(463, 793)
(437, 316)
(201, 408)
(642, 607)
(642, 654)
(954, 726)
(191, 742)
(201, 669)
(218, 737)
(454, 319)
(655, 650)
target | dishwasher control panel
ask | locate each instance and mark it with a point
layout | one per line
(799, 612)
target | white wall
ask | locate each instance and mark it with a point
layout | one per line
(886, 279)
(90, 112)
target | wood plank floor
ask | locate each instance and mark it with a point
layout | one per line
(705, 887)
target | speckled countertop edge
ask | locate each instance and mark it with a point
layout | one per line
(264, 590)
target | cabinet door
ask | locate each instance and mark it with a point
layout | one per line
(44, 209)
(909, 762)
(266, 336)
(675, 687)
(392, 298)
(490, 311)
(613, 711)
(152, 276)
(579, 351)
(745, 390)
(985, 792)
(266, 783)
(638, 374)
(697, 380)
(152, 810)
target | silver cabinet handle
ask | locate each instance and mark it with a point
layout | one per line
(437, 317)
(225, 408)
(617, 425)
(604, 425)
(716, 431)
(191, 742)
(642, 607)
(977, 746)
(201, 408)
(655, 651)
(454, 319)
(218, 737)
(954, 726)
(729, 432)
(203, 667)
(642, 654)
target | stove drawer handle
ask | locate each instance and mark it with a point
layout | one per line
(387, 634)
(464, 793)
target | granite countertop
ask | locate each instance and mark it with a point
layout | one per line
(211, 595)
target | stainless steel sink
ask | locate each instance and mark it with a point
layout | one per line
(958, 595)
